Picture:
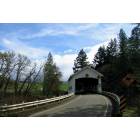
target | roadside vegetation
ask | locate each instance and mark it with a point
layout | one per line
(119, 62)
(18, 76)
(21, 80)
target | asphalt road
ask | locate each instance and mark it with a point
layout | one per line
(81, 106)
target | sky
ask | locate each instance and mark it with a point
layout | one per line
(64, 41)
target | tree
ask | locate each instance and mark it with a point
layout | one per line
(123, 61)
(134, 46)
(100, 57)
(10, 66)
(31, 78)
(52, 77)
(7, 65)
(17, 75)
(111, 51)
(81, 61)
(22, 64)
(134, 40)
(3, 68)
(123, 43)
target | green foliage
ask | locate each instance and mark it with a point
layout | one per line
(111, 51)
(106, 55)
(119, 58)
(81, 61)
(134, 46)
(123, 41)
(130, 112)
(52, 77)
(123, 59)
(134, 40)
(64, 87)
(100, 57)
(18, 75)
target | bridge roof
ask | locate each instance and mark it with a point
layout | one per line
(85, 68)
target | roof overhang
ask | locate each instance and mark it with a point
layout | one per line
(85, 68)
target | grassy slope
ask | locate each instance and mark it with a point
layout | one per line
(64, 86)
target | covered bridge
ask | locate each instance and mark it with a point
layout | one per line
(85, 80)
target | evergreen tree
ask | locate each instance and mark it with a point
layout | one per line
(81, 61)
(52, 77)
(123, 62)
(100, 57)
(123, 43)
(111, 51)
(134, 46)
(126, 53)
(134, 40)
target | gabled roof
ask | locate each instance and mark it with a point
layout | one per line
(87, 67)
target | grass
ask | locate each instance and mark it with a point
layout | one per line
(36, 93)
(130, 112)
(64, 86)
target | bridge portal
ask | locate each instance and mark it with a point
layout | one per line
(86, 85)
(85, 80)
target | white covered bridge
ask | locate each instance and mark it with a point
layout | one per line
(85, 80)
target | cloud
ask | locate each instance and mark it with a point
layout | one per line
(50, 32)
(38, 55)
(62, 29)
(69, 51)
(107, 31)
(96, 32)
(87, 26)
(22, 48)
(92, 50)
(64, 61)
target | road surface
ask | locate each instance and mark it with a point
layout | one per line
(80, 106)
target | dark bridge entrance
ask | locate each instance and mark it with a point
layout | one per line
(86, 85)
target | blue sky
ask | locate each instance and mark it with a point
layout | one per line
(63, 40)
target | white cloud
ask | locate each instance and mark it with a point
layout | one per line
(50, 32)
(69, 51)
(64, 61)
(63, 29)
(19, 47)
(91, 51)
(87, 26)
(109, 31)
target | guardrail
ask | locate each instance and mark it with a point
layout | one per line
(115, 102)
(9, 108)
